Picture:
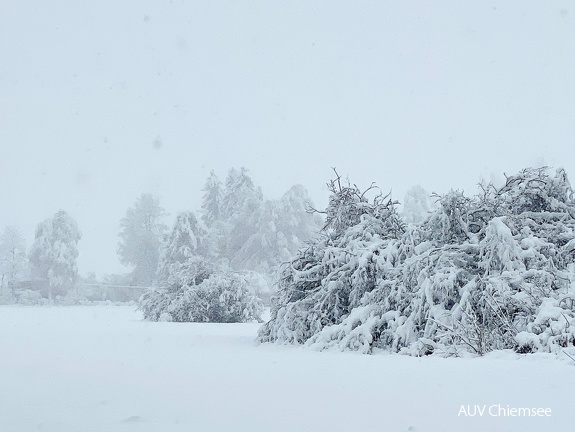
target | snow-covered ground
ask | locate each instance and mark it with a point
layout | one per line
(79, 369)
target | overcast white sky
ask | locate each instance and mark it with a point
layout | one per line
(101, 101)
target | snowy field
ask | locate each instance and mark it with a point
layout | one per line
(77, 369)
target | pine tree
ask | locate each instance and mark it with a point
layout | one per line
(212, 200)
(280, 229)
(184, 256)
(297, 221)
(239, 191)
(241, 206)
(141, 235)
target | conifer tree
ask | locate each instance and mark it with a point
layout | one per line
(212, 200)
(141, 235)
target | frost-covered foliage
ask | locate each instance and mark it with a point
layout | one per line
(494, 271)
(191, 286)
(54, 253)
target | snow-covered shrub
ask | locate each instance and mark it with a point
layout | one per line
(154, 302)
(220, 298)
(493, 271)
(330, 276)
(30, 298)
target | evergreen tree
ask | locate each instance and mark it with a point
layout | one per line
(193, 286)
(297, 223)
(141, 236)
(184, 255)
(214, 274)
(280, 229)
(241, 205)
(239, 193)
(212, 200)
(258, 240)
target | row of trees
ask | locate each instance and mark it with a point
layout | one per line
(50, 266)
(237, 225)
(239, 232)
(490, 271)
(209, 269)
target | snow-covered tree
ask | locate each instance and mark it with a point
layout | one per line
(297, 223)
(280, 228)
(493, 271)
(235, 257)
(239, 192)
(416, 205)
(141, 235)
(451, 221)
(252, 233)
(241, 205)
(212, 200)
(184, 257)
(13, 259)
(54, 253)
(329, 277)
(255, 238)
(192, 285)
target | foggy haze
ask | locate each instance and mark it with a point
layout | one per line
(100, 102)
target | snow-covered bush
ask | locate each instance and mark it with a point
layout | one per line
(220, 298)
(330, 276)
(30, 298)
(493, 271)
